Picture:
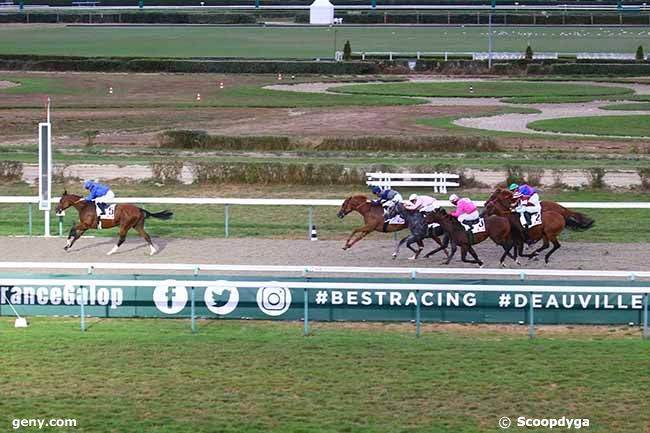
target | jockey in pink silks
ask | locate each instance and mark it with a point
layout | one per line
(466, 210)
(423, 203)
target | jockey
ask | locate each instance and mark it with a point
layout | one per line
(387, 197)
(465, 210)
(99, 193)
(529, 202)
(423, 203)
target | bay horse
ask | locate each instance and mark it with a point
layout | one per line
(127, 216)
(373, 218)
(572, 219)
(496, 228)
(502, 203)
(420, 230)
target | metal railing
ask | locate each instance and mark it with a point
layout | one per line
(310, 203)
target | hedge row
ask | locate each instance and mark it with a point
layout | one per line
(125, 64)
(526, 18)
(129, 18)
(188, 139)
(596, 69)
(148, 3)
(377, 17)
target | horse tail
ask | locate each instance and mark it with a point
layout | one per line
(162, 215)
(578, 221)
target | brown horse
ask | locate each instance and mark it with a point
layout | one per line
(572, 219)
(127, 216)
(502, 203)
(496, 228)
(373, 218)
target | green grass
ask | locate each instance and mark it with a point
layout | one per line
(493, 89)
(274, 42)
(639, 106)
(251, 96)
(155, 376)
(291, 222)
(634, 126)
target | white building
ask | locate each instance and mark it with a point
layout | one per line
(321, 12)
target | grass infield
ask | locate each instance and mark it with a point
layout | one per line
(624, 126)
(520, 91)
(319, 42)
(153, 375)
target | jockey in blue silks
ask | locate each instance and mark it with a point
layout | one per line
(99, 193)
(387, 197)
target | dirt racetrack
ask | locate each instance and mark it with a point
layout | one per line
(572, 255)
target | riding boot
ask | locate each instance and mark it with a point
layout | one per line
(528, 218)
(527, 238)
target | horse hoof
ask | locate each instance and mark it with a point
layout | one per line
(518, 262)
(412, 258)
(481, 266)
(65, 248)
(503, 265)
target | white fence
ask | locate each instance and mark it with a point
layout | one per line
(310, 203)
(495, 55)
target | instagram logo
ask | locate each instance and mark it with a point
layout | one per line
(274, 301)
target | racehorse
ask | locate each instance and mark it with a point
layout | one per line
(373, 218)
(502, 202)
(572, 219)
(419, 231)
(496, 228)
(126, 217)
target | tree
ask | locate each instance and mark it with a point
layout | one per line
(529, 53)
(639, 53)
(347, 51)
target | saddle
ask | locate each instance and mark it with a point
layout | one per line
(474, 226)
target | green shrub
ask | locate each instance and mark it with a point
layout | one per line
(167, 171)
(600, 69)
(412, 143)
(515, 174)
(596, 177)
(347, 51)
(11, 171)
(644, 174)
(184, 139)
(639, 53)
(529, 53)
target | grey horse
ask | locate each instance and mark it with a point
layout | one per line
(419, 228)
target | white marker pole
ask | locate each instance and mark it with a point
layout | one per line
(45, 168)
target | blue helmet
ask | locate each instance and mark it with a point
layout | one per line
(375, 189)
(88, 184)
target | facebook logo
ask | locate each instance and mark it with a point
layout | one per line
(169, 297)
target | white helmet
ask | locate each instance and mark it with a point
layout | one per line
(413, 197)
(453, 198)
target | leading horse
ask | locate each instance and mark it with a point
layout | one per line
(373, 218)
(126, 217)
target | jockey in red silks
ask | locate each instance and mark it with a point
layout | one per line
(466, 210)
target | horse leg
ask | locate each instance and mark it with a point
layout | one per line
(556, 245)
(463, 255)
(545, 245)
(442, 246)
(417, 252)
(399, 245)
(123, 230)
(364, 233)
(75, 233)
(140, 229)
(454, 247)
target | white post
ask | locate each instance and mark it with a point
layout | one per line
(45, 168)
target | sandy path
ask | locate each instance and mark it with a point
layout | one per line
(7, 84)
(572, 255)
